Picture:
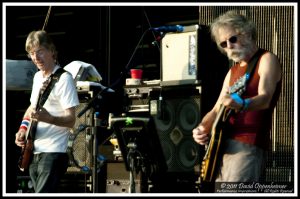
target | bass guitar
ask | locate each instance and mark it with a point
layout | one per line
(27, 150)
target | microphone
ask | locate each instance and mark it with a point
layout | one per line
(175, 28)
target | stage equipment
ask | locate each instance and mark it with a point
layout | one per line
(25, 71)
(176, 112)
(80, 143)
(24, 184)
(92, 116)
(140, 147)
(116, 152)
(175, 28)
(138, 97)
(82, 71)
(118, 179)
(179, 57)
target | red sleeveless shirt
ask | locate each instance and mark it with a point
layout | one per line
(252, 127)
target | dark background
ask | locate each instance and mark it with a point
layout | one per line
(104, 36)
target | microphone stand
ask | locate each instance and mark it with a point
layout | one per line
(97, 123)
(131, 161)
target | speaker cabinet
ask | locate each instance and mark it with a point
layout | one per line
(80, 146)
(179, 113)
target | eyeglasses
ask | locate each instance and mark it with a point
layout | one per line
(39, 52)
(232, 40)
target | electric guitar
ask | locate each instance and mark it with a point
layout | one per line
(212, 154)
(27, 150)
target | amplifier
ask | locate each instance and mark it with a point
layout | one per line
(139, 91)
(138, 97)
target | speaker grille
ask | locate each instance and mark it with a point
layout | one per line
(180, 116)
(81, 143)
(188, 115)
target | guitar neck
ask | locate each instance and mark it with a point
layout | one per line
(30, 133)
(219, 116)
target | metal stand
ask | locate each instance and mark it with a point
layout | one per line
(130, 133)
(95, 152)
(131, 159)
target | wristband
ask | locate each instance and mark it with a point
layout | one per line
(23, 127)
(246, 104)
(237, 98)
(25, 123)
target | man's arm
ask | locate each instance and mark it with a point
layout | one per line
(270, 73)
(68, 120)
(202, 131)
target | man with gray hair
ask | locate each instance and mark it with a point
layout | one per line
(245, 132)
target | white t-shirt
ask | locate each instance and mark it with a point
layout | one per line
(49, 137)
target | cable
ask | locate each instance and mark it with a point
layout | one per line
(150, 27)
(47, 18)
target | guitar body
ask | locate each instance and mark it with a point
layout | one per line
(27, 151)
(212, 155)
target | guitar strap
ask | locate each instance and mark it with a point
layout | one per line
(54, 78)
(253, 62)
(249, 72)
(44, 96)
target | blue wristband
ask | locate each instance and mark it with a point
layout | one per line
(237, 98)
(246, 104)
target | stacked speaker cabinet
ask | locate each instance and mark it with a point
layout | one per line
(80, 143)
(176, 112)
(89, 177)
(80, 147)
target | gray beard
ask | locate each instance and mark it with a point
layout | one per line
(237, 55)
